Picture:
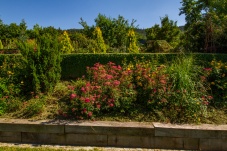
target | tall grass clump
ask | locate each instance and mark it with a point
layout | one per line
(189, 97)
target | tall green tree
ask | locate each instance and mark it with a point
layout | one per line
(168, 31)
(205, 22)
(114, 30)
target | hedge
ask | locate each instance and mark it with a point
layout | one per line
(74, 65)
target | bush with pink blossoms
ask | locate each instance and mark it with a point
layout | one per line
(108, 89)
(173, 90)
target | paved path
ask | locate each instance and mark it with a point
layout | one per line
(79, 147)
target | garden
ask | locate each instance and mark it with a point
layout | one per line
(179, 88)
(115, 71)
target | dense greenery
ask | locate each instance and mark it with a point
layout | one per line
(109, 75)
(205, 31)
(206, 21)
(174, 89)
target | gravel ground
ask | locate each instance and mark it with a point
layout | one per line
(79, 147)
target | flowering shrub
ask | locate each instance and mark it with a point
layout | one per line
(109, 89)
(175, 90)
(218, 82)
(10, 83)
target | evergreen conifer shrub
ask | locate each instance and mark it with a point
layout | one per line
(1, 45)
(132, 42)
(41, 62)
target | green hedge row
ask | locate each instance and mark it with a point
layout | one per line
(74, 65)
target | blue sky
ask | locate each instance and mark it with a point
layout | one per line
(66, 14)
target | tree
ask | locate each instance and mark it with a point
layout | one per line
(205, 23)
(114, 30)
(97, 34)
(168, 31)
(66, 46)
(132, 42)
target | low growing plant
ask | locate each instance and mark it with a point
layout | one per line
(217, 77)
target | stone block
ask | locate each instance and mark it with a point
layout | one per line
(43, 138)
(86, 139)
(135, 131)
(131, 141)
(191, 143)
(37, 128)
(213, 144)
(169, 143)
(10, 137)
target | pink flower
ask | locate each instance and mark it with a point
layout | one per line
(88, 84)
(72, 96)
(205, 102)
(71, 87)
(111, 104)
(116, 82)
(154, 90)
(89, 114)
(119, 67)
(84, 110)
(210, 97)
(108, 77)
(83, 89)
(207, 69)
(6, 97)
(203, 98)
(107, 83)
(98, 106)
(87, 100)
(162, 81)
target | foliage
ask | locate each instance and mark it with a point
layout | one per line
(174, 90)
(217, 72)
(114, 31)
(72, 69)
(205, 21)
(33, 107)
(132, 42)
(82, 44)
(41, 65)
(158, 46)
(1, 45)
(10, 84)
(108, 90)
(189, 90)
(66, 46)
(97, 35)
(9, 77)
(168, 31)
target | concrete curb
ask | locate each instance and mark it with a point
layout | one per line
(115, 134)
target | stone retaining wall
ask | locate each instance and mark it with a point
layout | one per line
(115, 134)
